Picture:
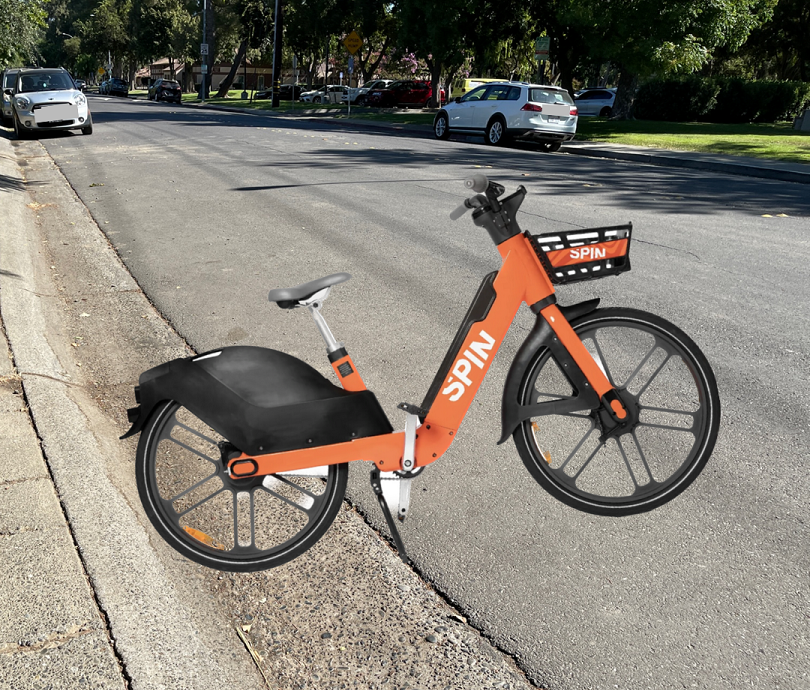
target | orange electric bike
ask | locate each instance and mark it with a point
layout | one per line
(242, 460)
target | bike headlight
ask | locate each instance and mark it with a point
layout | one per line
(22, 103)
(80, 99)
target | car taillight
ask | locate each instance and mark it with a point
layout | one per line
(533, 107)
(573, 111)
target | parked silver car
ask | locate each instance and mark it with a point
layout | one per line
(47, 99)
(596, 102)
(9, 77)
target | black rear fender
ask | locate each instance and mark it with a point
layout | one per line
(260, 400)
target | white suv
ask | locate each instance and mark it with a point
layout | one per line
(511, 110)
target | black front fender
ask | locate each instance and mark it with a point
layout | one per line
(260, 400)
(541, 336)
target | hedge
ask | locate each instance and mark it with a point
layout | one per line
(721, 99)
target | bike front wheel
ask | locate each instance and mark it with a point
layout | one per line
(667, 384)
(220, 522)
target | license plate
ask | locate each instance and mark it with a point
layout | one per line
(553, 118)
(53, 113)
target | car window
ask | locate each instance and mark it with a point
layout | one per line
(538, 95)
(46, 81)
(514, 93)
(476, 94)
(497, 93)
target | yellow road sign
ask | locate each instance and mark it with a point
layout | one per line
(353, 42)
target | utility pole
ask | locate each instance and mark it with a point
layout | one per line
(204, 52)
(277, 45)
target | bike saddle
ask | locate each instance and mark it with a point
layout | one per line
(288, 298)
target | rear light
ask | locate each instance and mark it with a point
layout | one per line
(533, 107)
(573, 111)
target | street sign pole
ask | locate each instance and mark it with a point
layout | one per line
(204, 63)
(277, 39)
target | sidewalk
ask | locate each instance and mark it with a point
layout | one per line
(52, 633)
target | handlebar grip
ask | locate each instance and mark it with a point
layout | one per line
(460, 211)
(478, 183)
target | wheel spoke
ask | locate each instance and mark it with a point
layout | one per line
(308, 511)
(578, 446)
(602, 359)
(655, 373)
(191, 488)
(200, 502)
(644, 360)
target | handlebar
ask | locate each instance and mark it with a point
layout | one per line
(487, 192)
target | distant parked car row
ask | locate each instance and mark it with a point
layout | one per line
(405, 93)
(114, 87)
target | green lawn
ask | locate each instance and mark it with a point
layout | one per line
(775, 141)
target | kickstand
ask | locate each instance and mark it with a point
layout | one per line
(377, 486)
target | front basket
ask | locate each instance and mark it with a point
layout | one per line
(576, 255)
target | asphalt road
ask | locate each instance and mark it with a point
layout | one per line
(209, 210)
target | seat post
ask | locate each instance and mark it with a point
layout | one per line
(314, 305)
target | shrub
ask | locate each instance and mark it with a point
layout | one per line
(721, 99)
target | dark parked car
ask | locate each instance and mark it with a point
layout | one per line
(7, 82)
(405, 93)
(114, 87)
(165, 90)
(287, 92)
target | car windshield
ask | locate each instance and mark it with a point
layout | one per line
(537, 95)
(45, 81)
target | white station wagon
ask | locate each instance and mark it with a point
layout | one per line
(511, 110)
(47, 99)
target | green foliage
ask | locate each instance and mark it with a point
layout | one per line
(21, 24)
(721, 99)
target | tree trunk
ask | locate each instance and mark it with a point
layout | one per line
(625, 94)
(435, 68)
(237, 61)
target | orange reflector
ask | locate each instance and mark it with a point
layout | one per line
(204, 538)
(621, 413)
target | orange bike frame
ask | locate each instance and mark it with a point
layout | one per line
(521, 278)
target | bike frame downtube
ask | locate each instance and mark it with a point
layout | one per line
(520, 279)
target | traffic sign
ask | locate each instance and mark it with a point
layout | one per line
(541, 46)
(353, 42)
(351, 64)
(203, 49)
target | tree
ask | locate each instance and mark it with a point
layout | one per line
(644, 37)
(21, 24)
(256, 26)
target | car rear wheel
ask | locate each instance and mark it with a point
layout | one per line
(317, 99)
(551, 146)
(441, 127)
(495, 134)
(605, 112)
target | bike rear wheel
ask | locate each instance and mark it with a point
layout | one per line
(667, 383)
(224, 523)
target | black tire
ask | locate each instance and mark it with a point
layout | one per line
(89, 128)
(551, 146)
(495, 133)
(317, 99)
(605, 112)
(19, 131)
(441, 126)
(236, 525)
(666, 382)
